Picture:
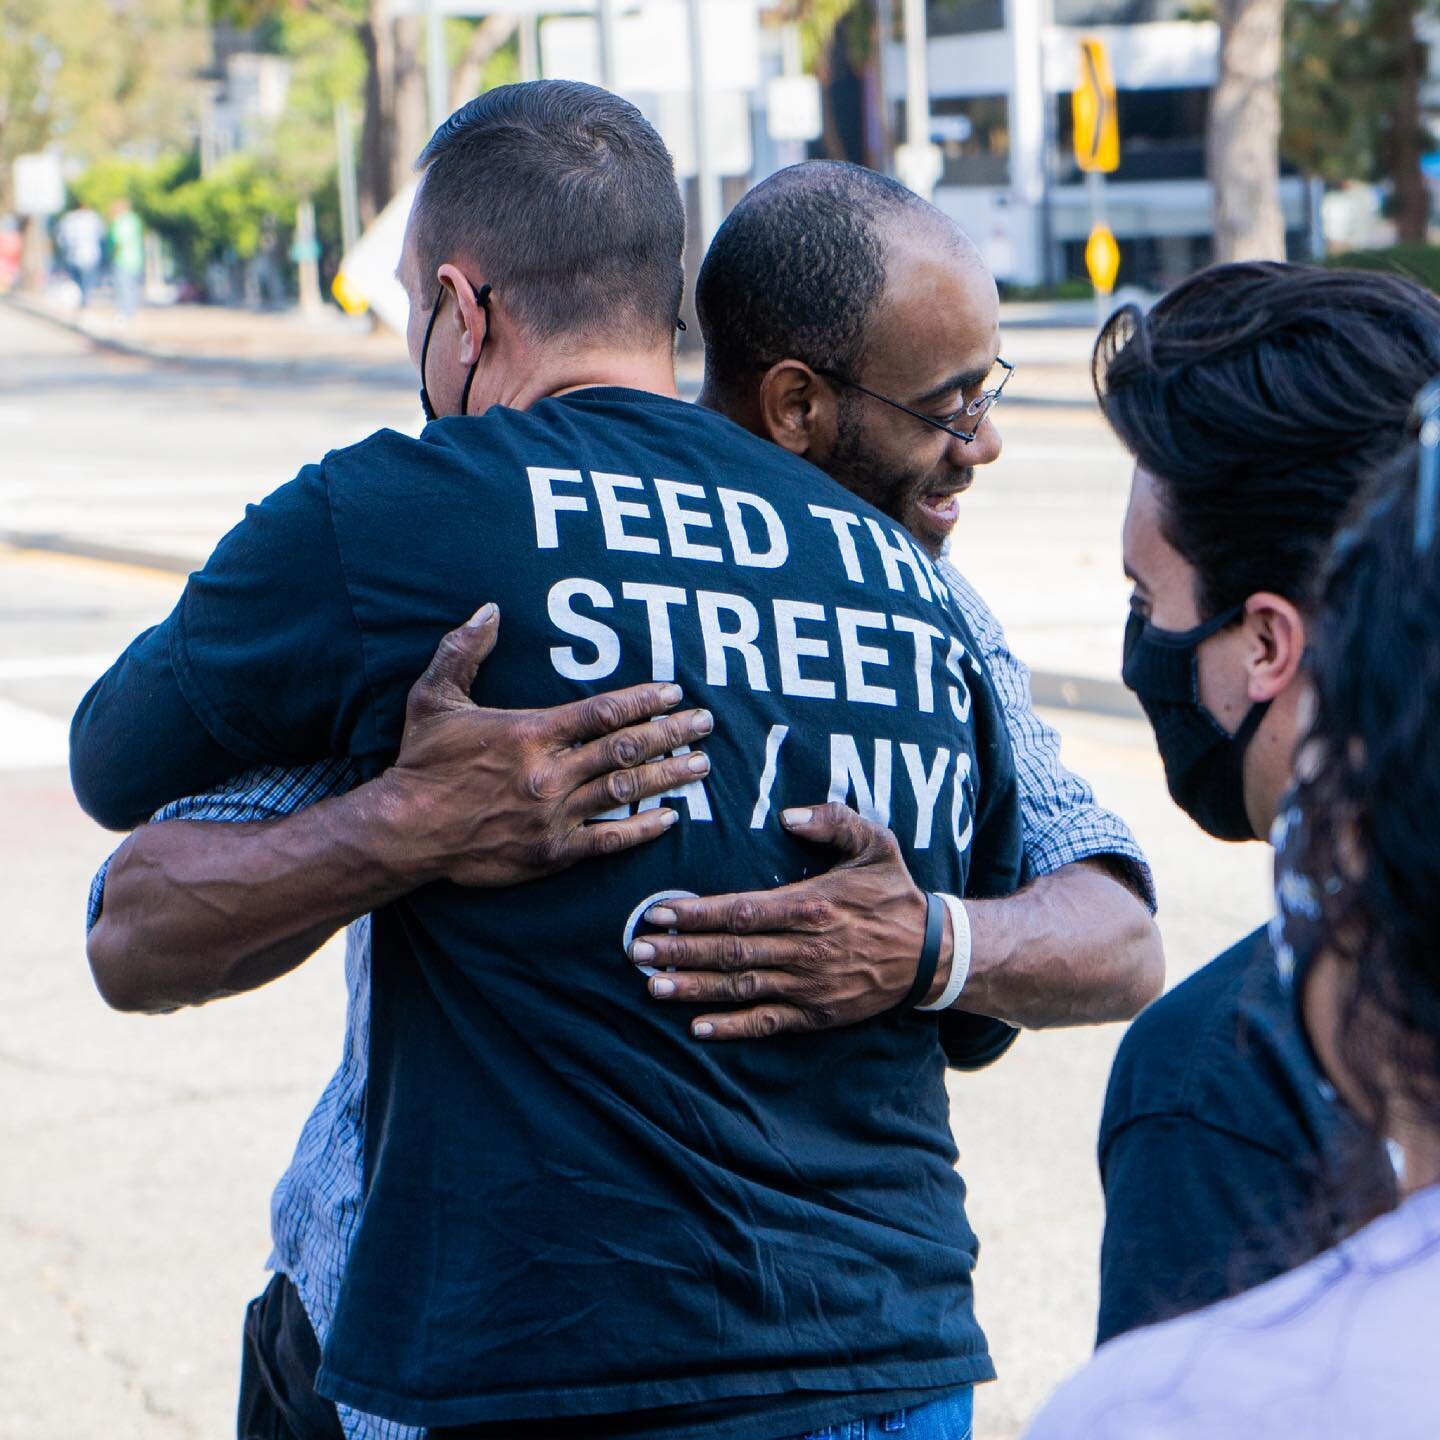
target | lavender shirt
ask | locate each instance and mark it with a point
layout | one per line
(1347, 1345)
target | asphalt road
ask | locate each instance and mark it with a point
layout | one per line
(137, 1154)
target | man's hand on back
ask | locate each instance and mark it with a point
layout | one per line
(1075, 947)
(194, 910)
(832, 950)
(496, 797)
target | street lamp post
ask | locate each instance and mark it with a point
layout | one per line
(707, 181)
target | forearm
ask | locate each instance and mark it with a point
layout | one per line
(194, 911)
(1073, 948)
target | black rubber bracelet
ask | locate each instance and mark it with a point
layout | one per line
(929, 951)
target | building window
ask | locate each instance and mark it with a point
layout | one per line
(1121, 12)
(974, 138)
(1162, 135)
(964, 17)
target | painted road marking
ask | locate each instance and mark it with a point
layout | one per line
(31, 739)
(43, 667)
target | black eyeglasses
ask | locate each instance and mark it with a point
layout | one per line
(976, 410)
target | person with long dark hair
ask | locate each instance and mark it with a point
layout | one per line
(1256, 399)
(1345, 1344)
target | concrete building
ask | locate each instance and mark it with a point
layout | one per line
(1001, 77)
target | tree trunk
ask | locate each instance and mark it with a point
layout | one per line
(377, 40)
(410, 119)
(396, 125)
(1412, 199)
(1244, 139)
(489, 35)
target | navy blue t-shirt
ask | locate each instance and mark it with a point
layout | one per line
(573, 1208)
(1223, 1160)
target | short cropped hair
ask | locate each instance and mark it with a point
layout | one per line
(1261, 396)
(565, 196)
(796, 271)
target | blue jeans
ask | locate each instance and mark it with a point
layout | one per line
(952, 1418)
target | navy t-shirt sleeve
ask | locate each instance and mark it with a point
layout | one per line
(135, 743)
(259, 663)
(264, 641)
(1193, 1214)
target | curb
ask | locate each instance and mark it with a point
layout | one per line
(1048, 688)
(385, 372)
(81, 549)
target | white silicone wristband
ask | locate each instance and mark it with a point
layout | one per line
(960, 960)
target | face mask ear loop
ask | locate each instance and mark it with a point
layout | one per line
(425, 404)
(483, 300)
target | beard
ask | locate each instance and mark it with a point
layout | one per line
(922, 498)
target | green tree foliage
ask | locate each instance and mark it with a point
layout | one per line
(96, 77)
(203, 219)
(1351, 96)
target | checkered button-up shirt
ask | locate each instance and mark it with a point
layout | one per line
(316, 1206)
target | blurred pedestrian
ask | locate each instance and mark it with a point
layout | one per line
(127, 257)
(1240, 396)
(12, 246)
(1346, 1343)
(81, 234)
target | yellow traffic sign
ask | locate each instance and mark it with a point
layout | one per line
(1097, 122)
(1102, 259)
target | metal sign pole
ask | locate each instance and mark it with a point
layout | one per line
(437, 71)
(1095, 191)
(605, 27)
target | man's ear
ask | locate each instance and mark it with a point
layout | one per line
(797, 410)
(471, 313)
(1278, 645)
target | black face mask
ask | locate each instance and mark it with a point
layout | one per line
(1204, 766)
(484, 301)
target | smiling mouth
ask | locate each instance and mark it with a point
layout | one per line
(942, 506)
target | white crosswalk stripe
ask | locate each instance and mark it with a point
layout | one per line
(31, 739)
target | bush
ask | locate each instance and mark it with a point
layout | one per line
(1064, 290)
(203, 219)
(1420, 263)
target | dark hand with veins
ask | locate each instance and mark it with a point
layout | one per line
(1074, 947)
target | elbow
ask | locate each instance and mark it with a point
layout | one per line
(96, 780)
(121, 979)
(1144, 970)
(106, 954)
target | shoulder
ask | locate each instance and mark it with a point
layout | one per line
(1184, 1049)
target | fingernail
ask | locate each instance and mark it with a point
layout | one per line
(661, 916)
(672, 694)
(702, 1029)
(642, 952)
(661, 987)
(668, 817)
(483, 616)
(698, 764)
(703, 723)
(797, 817)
